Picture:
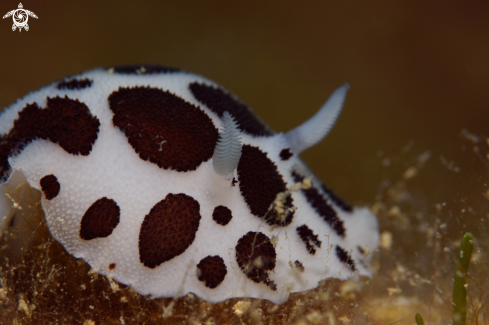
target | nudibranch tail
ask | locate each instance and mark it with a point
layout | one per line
(317, 127)
(228, 148)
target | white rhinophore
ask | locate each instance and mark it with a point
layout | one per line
(228, 148)
(317, 127)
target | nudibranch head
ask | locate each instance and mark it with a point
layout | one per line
(164, 181)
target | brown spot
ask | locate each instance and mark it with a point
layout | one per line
(74, 84)
(112, 266)
(299, 266)
(222, 215)
(260, 182)
(65, 121)
(100, 219)
(219, 101)
(163, 128)
(256, 256)
(211, 270)
(318, 202)
(345, 257)
(144, 69)
(307, 237)
(50, 186)
(285, 154)
(169, 229)
(361, 250)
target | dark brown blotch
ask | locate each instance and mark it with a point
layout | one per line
(222, 215)
(112, 266)
(100, 219)
(163, 128)
(308, 237)
(319, 203)
(260, 182)
(169, 229)
(50, 186)
(65, 121)
(285, 154)
(219, 101)
(211, 270)
(256, 257)
(75, 84)
(345, 257)
(298, 265)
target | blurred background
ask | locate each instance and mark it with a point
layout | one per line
(416, 116)
(418, 71)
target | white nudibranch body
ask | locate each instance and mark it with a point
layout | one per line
(127, 160)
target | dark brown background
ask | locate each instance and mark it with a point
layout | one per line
(418, 72)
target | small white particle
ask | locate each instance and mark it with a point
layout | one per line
(410, 172)
(274, 241)
(289, 286)
(344, 319)
(314, 317)
(241, 307)
(168, 310)
(393, 291)
(24, 307)
(386, 240)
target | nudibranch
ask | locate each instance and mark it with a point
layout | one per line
(162, 180)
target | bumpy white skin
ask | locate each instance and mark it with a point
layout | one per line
(114, 170)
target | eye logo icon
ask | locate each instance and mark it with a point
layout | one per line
(20, 17)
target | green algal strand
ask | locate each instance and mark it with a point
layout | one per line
(419, 319)
(460, 280)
